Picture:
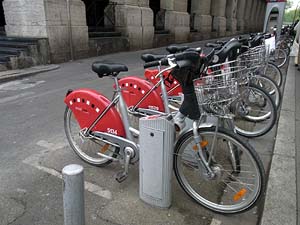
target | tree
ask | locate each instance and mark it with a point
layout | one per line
(291, 15)
(288, 5)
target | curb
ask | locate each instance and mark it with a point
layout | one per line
(17, 74)
(281, 198)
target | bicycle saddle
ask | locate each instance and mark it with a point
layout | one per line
(108, 68)
(213, 45)
(199, 50)
(176, 48)
(152, 57)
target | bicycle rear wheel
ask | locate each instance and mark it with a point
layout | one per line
(230, 191)
(87, 149)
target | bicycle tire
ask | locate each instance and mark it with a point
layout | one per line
(272, 71)
(207, 192)
(246, 121)
(270, 87)
(86, 149)
(279, 57)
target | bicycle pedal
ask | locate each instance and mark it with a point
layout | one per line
(121, 176)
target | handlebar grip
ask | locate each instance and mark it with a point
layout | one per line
(213, 45)
(163, 62)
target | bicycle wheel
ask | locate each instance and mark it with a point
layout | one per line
(87, 149)
(269, 86)
(272, 71)
(278, 57)
(255, 113)
(229, 191)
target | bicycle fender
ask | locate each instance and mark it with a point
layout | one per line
(171, 84)
(134, 89)
(87, 105)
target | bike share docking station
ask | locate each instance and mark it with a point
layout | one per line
(157, 138)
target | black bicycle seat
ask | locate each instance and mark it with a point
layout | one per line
(213, 45)
(176, 48)
(108, 68)
(199, 50)
(152, 57)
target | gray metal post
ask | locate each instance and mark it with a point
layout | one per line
(73, 195)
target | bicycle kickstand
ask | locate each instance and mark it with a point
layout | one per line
(123, 174)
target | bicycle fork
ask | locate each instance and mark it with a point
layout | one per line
(203, 162)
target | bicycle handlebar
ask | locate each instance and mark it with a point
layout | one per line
(162, 62)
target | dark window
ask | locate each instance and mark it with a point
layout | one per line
(95, 12)
(155, 6)
(2, 19)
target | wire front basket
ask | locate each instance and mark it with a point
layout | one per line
(254, 58)
(220, 87)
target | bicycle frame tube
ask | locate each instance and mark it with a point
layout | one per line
(163, 88)
(123, 109)
(102, 114)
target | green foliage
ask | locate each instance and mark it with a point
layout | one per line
(289, 15)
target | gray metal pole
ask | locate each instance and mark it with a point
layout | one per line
(73, 195)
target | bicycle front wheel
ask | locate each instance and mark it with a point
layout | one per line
(255, 112)
(235, 187)
(278, 57)
(273, 72)
(87, 149)
(270, 87)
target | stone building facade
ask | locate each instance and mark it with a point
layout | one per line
(141, 23)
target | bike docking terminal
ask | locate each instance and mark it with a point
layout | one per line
(157, 135)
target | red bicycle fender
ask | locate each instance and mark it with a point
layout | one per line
(87, 105)
(134, 89)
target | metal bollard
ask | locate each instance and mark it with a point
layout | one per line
(73, 195)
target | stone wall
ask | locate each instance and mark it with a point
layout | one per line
(49, 19)
(133, 18)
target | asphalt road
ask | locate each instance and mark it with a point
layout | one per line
(33, 151)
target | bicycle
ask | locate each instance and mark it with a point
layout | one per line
(93, 115)
(253, 118)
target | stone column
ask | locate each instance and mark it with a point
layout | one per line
(177, 20)
(253, 14)
(231, 21)
(201, 16)
(263, 14)
(247, 15)
(134, 19)
(257, 17)
(241, 16)
(25, 18)
(49, 19)
(218, 10)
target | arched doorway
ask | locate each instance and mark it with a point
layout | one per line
(189, 10)
(273, 19)
(99, 15)
(2, 19)
(274, 16)
(158, 20)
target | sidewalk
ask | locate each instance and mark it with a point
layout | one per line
(111, 203)
(281, 197)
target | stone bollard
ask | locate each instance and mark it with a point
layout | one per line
(73, 195)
